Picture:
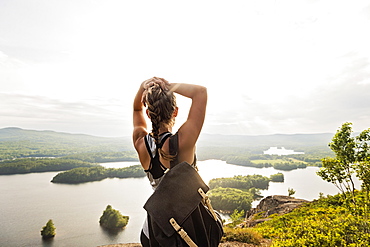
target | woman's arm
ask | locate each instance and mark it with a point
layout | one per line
(190, 130)
(140, 126)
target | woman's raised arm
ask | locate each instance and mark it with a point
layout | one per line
(190, 130)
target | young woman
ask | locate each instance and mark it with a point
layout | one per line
(153, 148)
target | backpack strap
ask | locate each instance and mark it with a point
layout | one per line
(174, 148)
(182, 233)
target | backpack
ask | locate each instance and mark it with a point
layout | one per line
(179, 211)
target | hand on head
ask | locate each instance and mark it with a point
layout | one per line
(154, 81)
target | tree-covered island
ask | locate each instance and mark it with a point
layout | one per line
(97, 173)
(48, 231)
(28, 165)
(112, 219)
(238, 192)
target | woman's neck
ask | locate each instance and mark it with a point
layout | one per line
(165, 129)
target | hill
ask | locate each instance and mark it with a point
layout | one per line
(17, 142)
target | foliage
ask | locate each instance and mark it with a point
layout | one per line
(242, 160)
(287, 166)
(229, 199)
(135, 171)
(80, 175)
(97, 173)
(237, 217)
(244, 235)
(324, 222)
(113, 219)
(291, 191)
(49, 230)
(278, 177)
(352, 156)
(27, 165)
(241, 182)
(103, 157)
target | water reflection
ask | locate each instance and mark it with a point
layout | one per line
(111, 234)
(47, 242)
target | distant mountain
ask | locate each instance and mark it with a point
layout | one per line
(16, 142)
(277, 140)
(205, 140)
(45, 136)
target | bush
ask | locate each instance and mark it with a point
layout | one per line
(323, 222)
(244, 235)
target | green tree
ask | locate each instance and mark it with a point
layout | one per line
(351, 157)
(49, 230)
(291, 191)
(237, 217)
(113, 219)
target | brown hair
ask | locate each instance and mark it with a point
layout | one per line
(161, 105)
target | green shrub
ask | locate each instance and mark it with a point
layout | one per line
(244, 235)
(323, 222)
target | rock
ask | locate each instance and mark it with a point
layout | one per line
(271, 205)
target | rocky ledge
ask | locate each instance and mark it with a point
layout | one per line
(271, 205)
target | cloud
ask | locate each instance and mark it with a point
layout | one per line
(3, 57)
(270, 67)
(344, 97)
(39, 112)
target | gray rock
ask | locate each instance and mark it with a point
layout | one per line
(271, 205)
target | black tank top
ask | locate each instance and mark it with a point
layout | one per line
(156, 168)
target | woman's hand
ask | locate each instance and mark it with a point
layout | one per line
(164, 84)
(147, 84)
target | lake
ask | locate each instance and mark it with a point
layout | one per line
(28, 201)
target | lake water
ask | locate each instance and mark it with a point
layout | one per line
(28, 201)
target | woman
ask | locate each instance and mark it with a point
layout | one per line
(153, 148)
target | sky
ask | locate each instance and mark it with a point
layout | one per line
(272, 66)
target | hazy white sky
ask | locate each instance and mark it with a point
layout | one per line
(270, 66)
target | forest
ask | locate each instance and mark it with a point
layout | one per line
(238, 192)
(97, 173)
(28, 165)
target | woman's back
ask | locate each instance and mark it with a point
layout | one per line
(188, 133)
(153, 148)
